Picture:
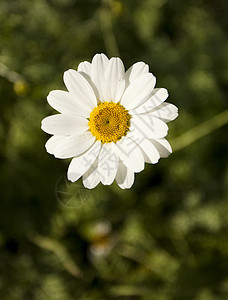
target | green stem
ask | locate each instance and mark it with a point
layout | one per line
(200, 131)
(10, 75)
(57, 248)
(105, 19)
(128, 290)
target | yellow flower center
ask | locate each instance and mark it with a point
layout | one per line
(109, 122)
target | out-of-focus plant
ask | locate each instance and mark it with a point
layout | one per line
(166, 238)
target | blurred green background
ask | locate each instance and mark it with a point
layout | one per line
(167, 237)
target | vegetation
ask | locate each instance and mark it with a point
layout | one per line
(164, 239)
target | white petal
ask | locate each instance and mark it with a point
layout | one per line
(80, 88)
(162, 146)
(150, 152)
(74, 145)
(53, 142)
(136, 70)
(85, 67)
(107, 164)
(130, 154)
(148, 126)
(138, 91)
(64, 124)
(157, 97)
(125, 176)
(91, 177)
(166, 112)
(65, 103)
(80, 164)
(99, 64)
(114, 77)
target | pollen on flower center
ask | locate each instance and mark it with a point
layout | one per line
(109, 122)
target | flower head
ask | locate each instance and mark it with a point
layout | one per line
(111, 122)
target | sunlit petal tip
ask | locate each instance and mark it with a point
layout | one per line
(52, 143)
(124, 177)
(85, 67)
(91, 177)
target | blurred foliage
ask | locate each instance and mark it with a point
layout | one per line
(167, 237)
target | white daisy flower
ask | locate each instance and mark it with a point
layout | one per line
(111, 122)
